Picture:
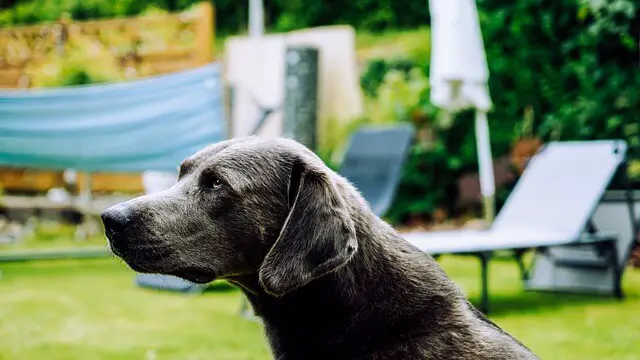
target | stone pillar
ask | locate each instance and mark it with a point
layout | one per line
(300, 115)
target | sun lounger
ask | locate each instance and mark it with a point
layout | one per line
(551, 205)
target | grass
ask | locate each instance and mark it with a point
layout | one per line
(370, 45)
(90, 309)
(49, 235)
(393, 44)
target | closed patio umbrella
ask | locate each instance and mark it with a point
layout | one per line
(459, 76)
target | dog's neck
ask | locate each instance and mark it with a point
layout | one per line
(378, 272)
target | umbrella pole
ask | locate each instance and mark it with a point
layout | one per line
(485, 162)
(489, 206)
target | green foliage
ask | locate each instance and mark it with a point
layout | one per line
(398, 90)
(281, 15)
(91, 309)
(38, 11)
(376, 70)
(575, 62)
(76, 67)
(366, 14)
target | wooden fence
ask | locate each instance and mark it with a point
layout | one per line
(142, 46)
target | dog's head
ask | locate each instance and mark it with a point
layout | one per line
(244, 206)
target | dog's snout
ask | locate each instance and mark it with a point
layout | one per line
(115, 219)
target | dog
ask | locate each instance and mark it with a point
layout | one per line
(328, 278)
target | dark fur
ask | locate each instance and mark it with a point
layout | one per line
(329, 279)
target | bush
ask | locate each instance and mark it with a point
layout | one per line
(38, 11)
(76, 67)
(398, 90)
(373, 15)
(575, 63)
(281, 15)
(375, 71)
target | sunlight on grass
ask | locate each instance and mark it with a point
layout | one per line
(558, 326)
(91, 309)
(393, 44)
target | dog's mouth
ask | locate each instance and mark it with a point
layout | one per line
(196, 275)
(144, 258)
(156, 259)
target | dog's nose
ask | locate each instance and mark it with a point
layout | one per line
(115, 219)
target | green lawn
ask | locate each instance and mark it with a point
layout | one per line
(90, 309)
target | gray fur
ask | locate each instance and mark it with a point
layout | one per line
(329, 279)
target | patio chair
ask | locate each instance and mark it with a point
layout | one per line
(373, 162)
(552, 204)
(585, 268)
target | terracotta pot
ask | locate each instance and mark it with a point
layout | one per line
(523, 149)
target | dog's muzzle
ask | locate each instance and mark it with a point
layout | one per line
(116, 220)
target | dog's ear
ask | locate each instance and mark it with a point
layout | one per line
(318, 235)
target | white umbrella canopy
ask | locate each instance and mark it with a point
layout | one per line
(459, 76)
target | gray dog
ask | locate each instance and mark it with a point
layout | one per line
(329, 279)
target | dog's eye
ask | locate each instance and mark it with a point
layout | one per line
(210, 180)
(215, 183)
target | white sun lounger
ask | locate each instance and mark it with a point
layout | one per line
(551, 205)
(586, 268)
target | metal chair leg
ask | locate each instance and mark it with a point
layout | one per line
(484, 263)
(519, 257)
(617, 286)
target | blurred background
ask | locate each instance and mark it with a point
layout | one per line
(101, 99)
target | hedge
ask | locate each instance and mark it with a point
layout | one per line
(575, 63)
(281, 15)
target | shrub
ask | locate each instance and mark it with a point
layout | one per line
(366, 14)
(39, 11)
(376, 70)
(85, 62)
(281, 15)
(574, 62)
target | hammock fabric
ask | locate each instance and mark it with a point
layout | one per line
(149, 124)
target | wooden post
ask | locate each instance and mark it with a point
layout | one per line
(204, 33)
(84, 202)
(301, 95)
